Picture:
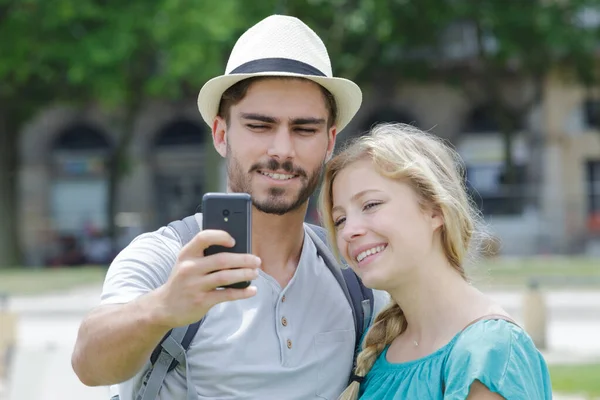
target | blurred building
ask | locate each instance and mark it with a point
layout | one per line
(554, 207)
(64, 179)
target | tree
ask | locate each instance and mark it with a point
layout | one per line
(120, 54)
(109, 53)
(524, 42)
(30, 77)
(515, 44)
(130, 52)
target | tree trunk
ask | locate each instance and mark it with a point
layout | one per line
(507, 122)
(118, 167)
(113, 183)
(9, 240)
(536, 147)
(508, 134)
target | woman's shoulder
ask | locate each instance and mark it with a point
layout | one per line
(502, 356)
(496, 341)
(494, 333)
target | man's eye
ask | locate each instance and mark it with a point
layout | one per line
(306, 130)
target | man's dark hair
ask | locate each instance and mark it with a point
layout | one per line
(237, 92)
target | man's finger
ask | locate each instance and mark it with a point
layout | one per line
(224, 261)
(222, 295)
(227, 277)
(203, 240)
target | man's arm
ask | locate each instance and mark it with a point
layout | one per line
(115, 340)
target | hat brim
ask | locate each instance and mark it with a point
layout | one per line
(347, 94)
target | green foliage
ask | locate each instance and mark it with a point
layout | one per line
(107, 50)
(532, 36)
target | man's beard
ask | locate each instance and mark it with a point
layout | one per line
(275, 203)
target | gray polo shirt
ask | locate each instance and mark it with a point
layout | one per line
(290, 343)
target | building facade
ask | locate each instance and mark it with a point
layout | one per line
(64, 181)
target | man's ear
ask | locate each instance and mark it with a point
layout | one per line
(219, 135)
(331, 137)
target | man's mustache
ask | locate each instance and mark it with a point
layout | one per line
(274, 165)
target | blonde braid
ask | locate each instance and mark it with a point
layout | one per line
(388, 325)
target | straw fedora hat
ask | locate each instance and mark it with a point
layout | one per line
(281, 46)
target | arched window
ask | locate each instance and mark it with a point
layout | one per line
(481, 120)
(181, 132)
(81, 137)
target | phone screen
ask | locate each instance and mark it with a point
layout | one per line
(232, 213)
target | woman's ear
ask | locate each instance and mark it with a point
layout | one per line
(437, 218)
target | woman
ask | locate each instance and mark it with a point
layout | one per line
(395, 203)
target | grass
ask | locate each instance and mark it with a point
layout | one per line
(576, 379)
(553, 272)
(30, 281)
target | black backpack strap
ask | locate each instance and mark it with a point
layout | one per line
(171, 349)
(187, 228)
(189, 335)
(361, 298)
(166, 352)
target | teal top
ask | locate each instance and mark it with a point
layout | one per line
(498, 353)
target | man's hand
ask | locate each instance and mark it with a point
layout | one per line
(192, 287)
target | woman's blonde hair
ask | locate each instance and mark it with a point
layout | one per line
(436, 173)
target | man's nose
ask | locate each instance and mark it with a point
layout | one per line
(282, 146)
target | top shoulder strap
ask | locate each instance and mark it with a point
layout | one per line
(172, 348)
(360, 297)
(186, 229)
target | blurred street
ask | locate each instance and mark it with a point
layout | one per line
(48, 328)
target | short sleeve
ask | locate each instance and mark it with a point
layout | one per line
(144, 265)
(501, 356)
(380, 300)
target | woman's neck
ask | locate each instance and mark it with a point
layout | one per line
(437, 302)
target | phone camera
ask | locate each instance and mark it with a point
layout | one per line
(225, 213)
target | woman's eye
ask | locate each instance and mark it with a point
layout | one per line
(368, 206)
(338, 222)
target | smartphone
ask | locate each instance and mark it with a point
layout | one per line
(232, 213)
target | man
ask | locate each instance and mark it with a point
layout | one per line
(274, 116)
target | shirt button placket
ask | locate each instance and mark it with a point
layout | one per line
(284, 322)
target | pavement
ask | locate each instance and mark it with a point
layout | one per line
(40, 368)
(47, 329)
